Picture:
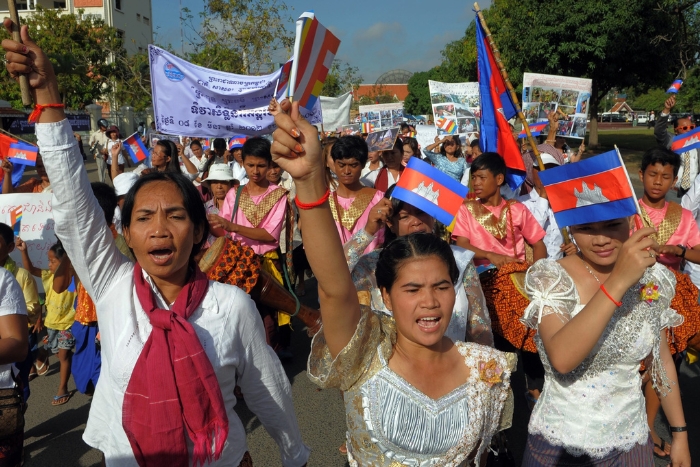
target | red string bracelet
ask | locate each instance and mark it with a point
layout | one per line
(38, 108)
(617, 304)
(315, 204)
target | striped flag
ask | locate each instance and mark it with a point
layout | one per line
(686, 141)
(593, 190)
(535, 129)
(430, 190)
(675, 86)
(22, 153)
(16, 219)
(314, 51)
(135, 148)
(366, 128)
(448, 125)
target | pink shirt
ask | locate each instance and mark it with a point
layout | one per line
(687, 233)
(272, 222)
(346, 234)
(525, 227)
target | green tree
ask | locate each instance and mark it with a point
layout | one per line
(79, 50)
(341, 78)
(651, 100)
(239, 36)
(132, 80)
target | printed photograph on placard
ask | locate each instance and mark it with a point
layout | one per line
(353, 129)
(456, 107)
(382, 115)
(382, 140)
(568, 97)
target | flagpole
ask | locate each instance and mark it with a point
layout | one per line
(636, 202)
(509, 85)
(16, 137)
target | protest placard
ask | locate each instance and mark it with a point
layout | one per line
(36, 226)
(382, 115)
(456, 107)
(336, 110)
(193, 100)
(382, 140)
(569, 97)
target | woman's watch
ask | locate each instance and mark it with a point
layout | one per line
(682, 255)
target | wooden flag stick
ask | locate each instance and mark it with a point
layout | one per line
(23, 81)
(509, 85)
(15, 137)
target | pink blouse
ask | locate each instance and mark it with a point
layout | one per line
(687, 233)
(346, 235)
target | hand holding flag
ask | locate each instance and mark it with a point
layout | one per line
(135, 148)
(675, 86)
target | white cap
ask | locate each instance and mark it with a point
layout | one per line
(220, 172)
(123, 182)
(547, 159)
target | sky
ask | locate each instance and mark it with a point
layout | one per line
(376, 35)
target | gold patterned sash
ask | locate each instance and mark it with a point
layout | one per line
(668, 225)
(255, 213)
(348, 217)
(496, 227)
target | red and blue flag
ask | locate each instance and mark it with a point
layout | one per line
(675, 86)
(686, 141)
(17, 169)
(135, 147)
(22, 153)
(430, 190)
(593, 190)
(536, 129)
(496, 109)
(236, 142)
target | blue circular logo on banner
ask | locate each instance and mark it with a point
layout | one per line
(172, 72)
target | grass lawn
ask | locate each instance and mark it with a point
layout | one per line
(631, 142)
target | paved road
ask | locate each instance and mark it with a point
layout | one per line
(53, 434)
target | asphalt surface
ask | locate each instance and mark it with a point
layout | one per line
(53, 435)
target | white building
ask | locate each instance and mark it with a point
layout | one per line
(133, 19)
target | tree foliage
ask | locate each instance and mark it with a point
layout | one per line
(341, 78)
(79, 50)
(239, 36)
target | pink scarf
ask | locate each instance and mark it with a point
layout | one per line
(173, 386)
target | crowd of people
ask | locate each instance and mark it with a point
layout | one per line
(171, 291)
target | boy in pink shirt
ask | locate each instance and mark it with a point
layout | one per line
(495, 229)
(352, 202)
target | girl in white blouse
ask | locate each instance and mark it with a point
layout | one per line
(412, 395)
(598, 314)
(174, 345)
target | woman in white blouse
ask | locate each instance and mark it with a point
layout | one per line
(412, 395)
(598, 314)
(163, 398)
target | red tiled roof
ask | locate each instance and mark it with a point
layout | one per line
(398, 90)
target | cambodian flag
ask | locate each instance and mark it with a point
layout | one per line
(675, 86)
(17, 169)
(535, 129)
(22, 153)
(430, 190)
(686, 141)
(16, 219)
(593, 190)
(205, 143)
(237, 141)
(496, 109)
(135, 147)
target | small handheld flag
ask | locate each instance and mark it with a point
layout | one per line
(675, 86)
(686, 141)
(447, 125)
(237, 142)
(22, 153)
(430, 190)
(135, 147)
(536, 129)
(593, 190)
(16, 219)
(205, 143)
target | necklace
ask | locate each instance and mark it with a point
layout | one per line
(585, 264)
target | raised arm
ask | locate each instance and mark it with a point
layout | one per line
(661, 126)
(7, 177)
(26, 261)
(297, 150)
(80, 222)
(115, 169)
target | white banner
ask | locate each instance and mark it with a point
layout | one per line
(336, 111)
(382, 115)
(195, 101)
(456, 108)
(37, 226)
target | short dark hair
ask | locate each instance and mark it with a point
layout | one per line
(412, 143)
(458, 142)
(195, 143)
(491, 161)
(190, 197)
(404, 126)
(106, 198)
(684, 117)
(57, 249)
(218, 143)
(170, 150)
(257, 147)
(475, 142)
(663, 156)
(350, 147)
(416, 245)
(7, 233)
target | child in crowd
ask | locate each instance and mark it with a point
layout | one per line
(495, 229)
(352, 202)
(254, 214)
(60, 316)
(374, 163)
(450, 159)
(38, 184)
(31, 299)
(392, 170)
